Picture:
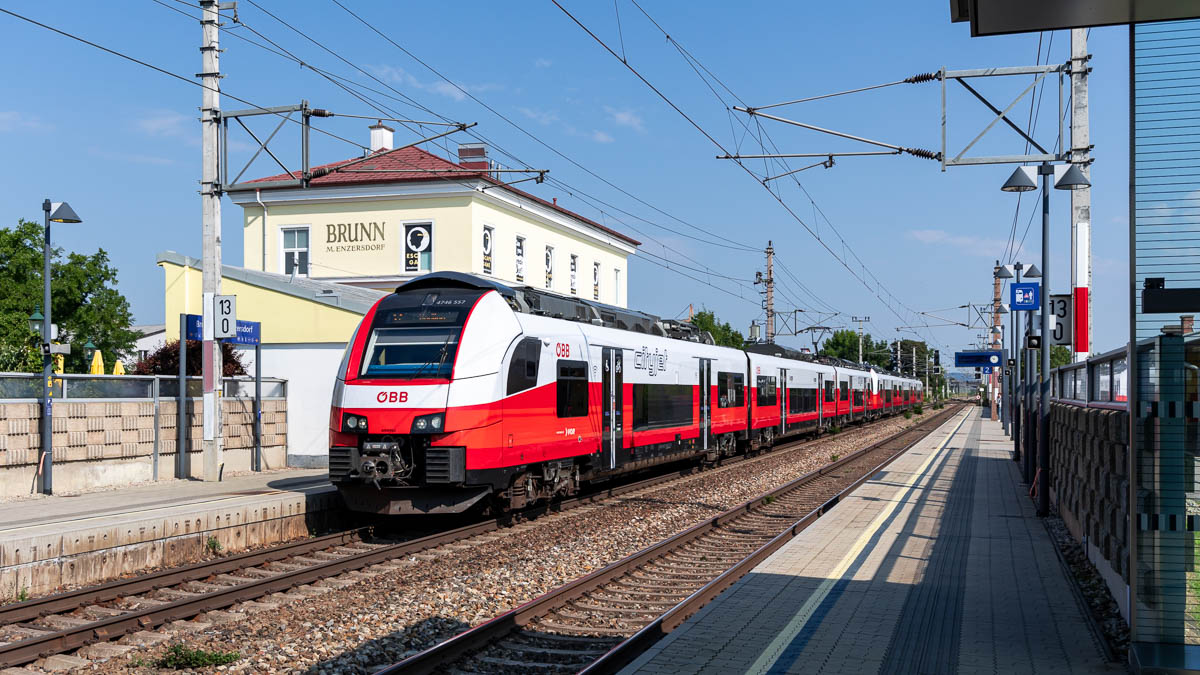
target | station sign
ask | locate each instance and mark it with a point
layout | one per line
(988, 358)
(248, 332)
(1025, 296)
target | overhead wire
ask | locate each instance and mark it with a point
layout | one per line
(719, 145)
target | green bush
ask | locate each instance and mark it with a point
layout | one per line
(178, 657)
(920, 410)
(908, 414)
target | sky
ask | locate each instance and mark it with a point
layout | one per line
(121, 142)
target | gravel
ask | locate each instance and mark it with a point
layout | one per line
(361, 621)
(1101, 604)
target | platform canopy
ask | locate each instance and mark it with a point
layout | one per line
(999, 17)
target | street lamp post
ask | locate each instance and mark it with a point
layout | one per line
(1072, 179)
(53, 212)
(1015, 390)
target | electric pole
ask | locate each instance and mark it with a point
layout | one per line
(210, 201)
(860, 320)
(770, 281)
(994, 378)
(914, 361)
(1081, 200)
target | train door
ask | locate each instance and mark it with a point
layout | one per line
(783, 393)
(612, 405)
(820, 400)
(705, 402)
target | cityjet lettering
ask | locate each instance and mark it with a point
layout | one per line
(653, 362)
(342, 237)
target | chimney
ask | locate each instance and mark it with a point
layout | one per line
(1187, 321)
(473, 156)
(381, 136)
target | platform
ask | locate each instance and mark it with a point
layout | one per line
(48, 542)
(936, 565)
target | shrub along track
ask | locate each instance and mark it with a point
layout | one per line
(308, 570)
(601, 622)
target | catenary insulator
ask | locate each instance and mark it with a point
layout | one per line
(923, 77)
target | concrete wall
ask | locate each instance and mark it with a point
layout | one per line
(310, 370)
(1089, 458)
(106, 443)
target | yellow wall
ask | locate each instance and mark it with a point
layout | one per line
(458, 223)
(285, 319)
(509, 224)
(450, 217)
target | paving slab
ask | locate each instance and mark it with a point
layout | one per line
(935, 565)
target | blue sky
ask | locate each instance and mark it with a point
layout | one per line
(121, 142)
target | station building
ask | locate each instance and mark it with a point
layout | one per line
(316, 258)
(397, 214)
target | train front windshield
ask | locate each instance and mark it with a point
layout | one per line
(415, 335)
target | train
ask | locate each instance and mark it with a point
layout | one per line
(457, 392)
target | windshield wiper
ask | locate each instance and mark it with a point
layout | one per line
(443, 350)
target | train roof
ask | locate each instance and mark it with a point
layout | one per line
(541, 302)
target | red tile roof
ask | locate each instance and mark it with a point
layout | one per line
(414, 165)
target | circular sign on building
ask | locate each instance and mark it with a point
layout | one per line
(418, 238)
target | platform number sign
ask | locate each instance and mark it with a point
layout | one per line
(1060, 311)
(225, 316)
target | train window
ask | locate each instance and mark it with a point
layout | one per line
(662, 405)
(523, 371)
(802, 400)
(767, 394)
(858, 397)
(572, 386)
(731, 390)
(830, 397)
(845, 393)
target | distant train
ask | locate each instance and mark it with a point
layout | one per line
(457, 392)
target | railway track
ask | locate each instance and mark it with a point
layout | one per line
(65, 622)
(601, 622)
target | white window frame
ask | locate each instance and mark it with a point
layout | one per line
(617, 286)
(548, 269)
(573, 271)
(283, 251)
(404, 243)
(597, 280)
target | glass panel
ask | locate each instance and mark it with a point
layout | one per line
(301, 238)
(1080, 375)
(1120, 383)
(1102, 382)
(289, 239)
(95, 387)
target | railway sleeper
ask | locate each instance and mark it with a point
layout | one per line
(624, 611)
(550, 624)
(646, 597)
(524, 666)
(550, 651)
(633, 583)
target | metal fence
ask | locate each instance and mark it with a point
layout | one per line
(1100, 382)
(26, 386)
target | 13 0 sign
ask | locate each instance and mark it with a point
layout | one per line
(225, 316)
(1060, 310)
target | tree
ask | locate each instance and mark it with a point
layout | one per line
(1059, 356)
(84, 301)
(843, 344)
(723, 334)
(165, 360)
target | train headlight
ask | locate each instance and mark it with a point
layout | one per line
(354, 423)
(428, 424)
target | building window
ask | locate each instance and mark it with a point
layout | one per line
(731, 393)
(595, 281)
(486, 247)
(549, 267)
(295, 251)
(616, 287)
(418, 247)
(572, 388)
(662, 405)
(520, 258)
(574, 274)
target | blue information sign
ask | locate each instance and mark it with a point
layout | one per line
(981, 359)
(987, 370)
(1025, 296)
(248, 332)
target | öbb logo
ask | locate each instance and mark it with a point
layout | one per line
(392, 397)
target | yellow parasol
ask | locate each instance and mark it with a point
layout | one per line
(97, 363)
(118, 368)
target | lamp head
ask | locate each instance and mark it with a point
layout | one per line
(1033, 272)
(1073, 179)
(1002, 272)
(1019, 181)
(61, 212)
